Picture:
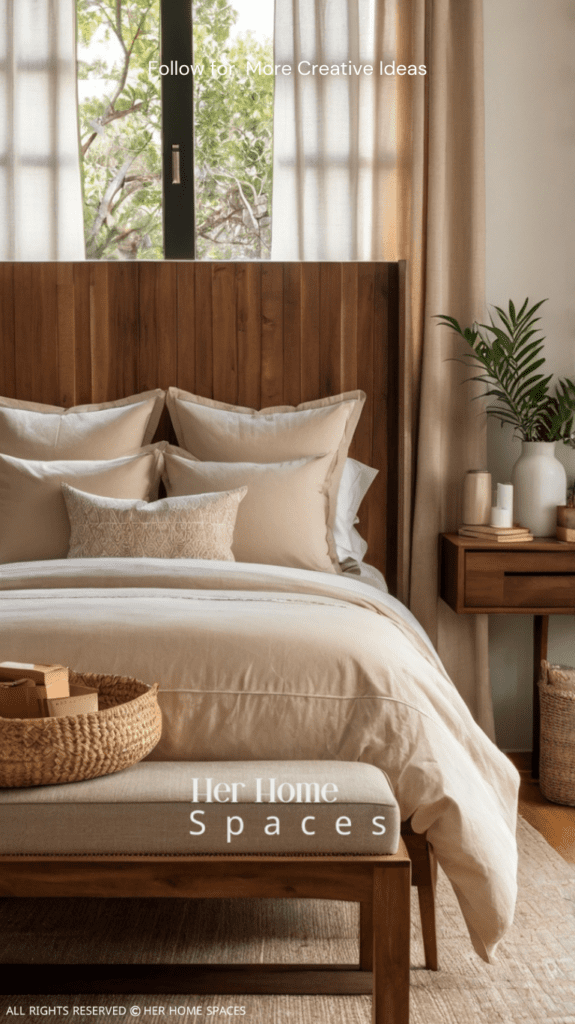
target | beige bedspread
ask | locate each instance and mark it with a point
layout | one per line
(259, 662)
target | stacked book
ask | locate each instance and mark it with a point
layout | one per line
(499, 534)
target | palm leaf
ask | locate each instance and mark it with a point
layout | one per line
(508, 356)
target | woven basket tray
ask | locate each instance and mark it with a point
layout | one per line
(44, 751)
(557, 756)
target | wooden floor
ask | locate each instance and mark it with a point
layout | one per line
(554, 822)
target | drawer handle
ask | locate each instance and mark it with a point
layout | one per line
(176, 165)
(543, 573)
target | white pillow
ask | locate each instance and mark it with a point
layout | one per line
(33, 519)
(355, 483)
(110, 430)
(194, 526)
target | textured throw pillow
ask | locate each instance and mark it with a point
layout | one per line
(355, 483)
(29, 430)
(283, 518)
(215, 432)
(199, 526)
(33, 519)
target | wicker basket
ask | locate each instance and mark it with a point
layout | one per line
(557, 756)
(45, 751)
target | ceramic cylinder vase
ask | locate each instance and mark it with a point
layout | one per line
(476, 504)
(540, 484)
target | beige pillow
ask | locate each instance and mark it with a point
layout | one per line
(107, 431)
(283, 518)
(216, 432)
(33, 519)
(199, 526)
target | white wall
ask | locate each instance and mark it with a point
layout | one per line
(530, 176)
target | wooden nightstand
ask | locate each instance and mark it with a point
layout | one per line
(536, 578)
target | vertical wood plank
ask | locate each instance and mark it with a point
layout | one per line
(348, 362)
(224, 337)
(362, 447)
(158, 324)
(396, 501)
(151, 303)
(362, 442)
(249, 325)
(404, 493)
(378, 511)
(204, 330)
(167, 302)
(66, 314)
(99, 333)
(36, 331)
(124, 329)
(158, 349)
(7, 336)
(82, 335)
(292, 333)
(310, 323)
(47, 299)
(186, 375)
(330, 329)
(272, 335)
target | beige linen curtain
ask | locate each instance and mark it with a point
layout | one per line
(40, 186)
(393, 168)
(334, 133)
(441, 231)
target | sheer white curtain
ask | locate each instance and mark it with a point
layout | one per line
(40, 185)
(334, 134)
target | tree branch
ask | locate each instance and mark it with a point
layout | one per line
(104, 120)
(225, 174)
(117, 29)
(114, 186)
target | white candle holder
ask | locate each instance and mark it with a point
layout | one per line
(501, 517)
(505, 496)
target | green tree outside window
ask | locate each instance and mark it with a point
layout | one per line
(120, 133)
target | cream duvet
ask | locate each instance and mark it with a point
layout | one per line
(258, 662)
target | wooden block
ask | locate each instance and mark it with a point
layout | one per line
(564, 533)
(566, 517)
(82, 701)
(50, 680)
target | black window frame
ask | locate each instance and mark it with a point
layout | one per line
(177, 98)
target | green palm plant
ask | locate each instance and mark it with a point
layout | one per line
(508, 358)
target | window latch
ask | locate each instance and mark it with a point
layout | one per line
(176, 180)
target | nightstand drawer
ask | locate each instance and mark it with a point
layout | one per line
(509, 579)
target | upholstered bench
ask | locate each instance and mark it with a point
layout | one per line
(311, 829)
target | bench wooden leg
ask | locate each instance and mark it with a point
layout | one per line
(426, 894)
(391, 906)
(424, 876)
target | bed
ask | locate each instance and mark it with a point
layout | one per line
(256, 660)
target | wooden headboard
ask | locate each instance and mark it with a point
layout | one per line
(254, 334)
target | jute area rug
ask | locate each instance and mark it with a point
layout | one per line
(533, 981)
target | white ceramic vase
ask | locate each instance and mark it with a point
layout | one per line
(539, 485)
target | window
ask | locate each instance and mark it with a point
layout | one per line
(177, 163)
